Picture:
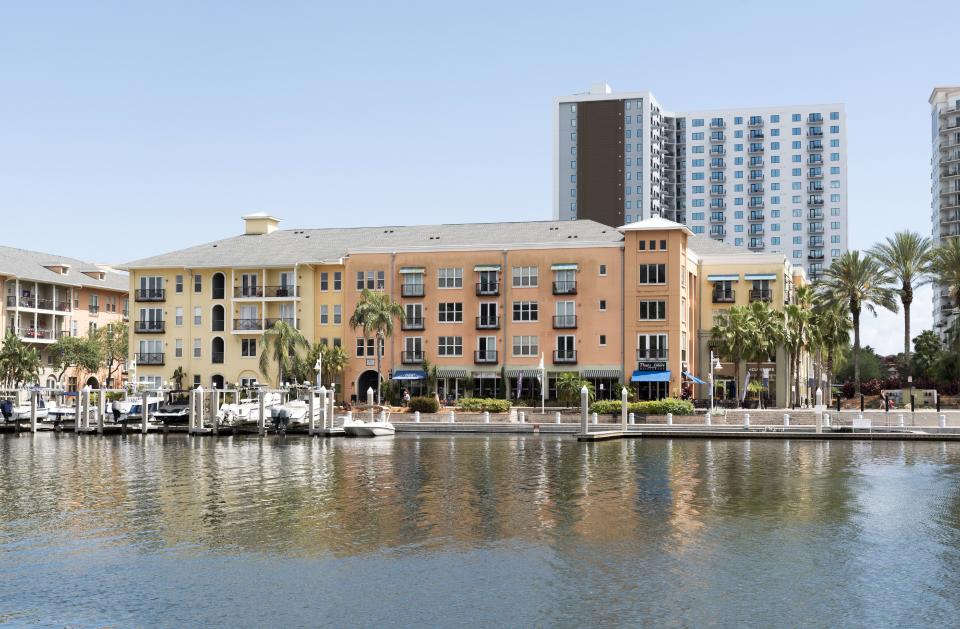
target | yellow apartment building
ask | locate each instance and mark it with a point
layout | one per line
(486, 304)
(733, 277)
(48, 297)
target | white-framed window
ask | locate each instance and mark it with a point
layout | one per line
(450, 278)
(652, 274)
(196, 348)
(324, 314)
(603, 340)
(653, 310)
(337, 314)
(371, 280)
(526, 311)
(651, 346)
(603, 305)
(248, 348)
(526, 346)
(413, 346)
(248, 285)
(178, 284)
(450, 346)
(197, 283)
(450, 312)
(178, 348)
(197, 315)
(337, 280)
(178, 315)
(365, 347)
(324, 280)
(525, 276)
(603, 270)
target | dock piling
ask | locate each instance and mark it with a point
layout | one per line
(523, 417)
(416, 417)
(370, 401)
(900, 420)
(33, 411)
(261, 419)
(708, 419)
(786, 419)
(943, 421)
(594, 419)
(214, 404)
(584, 400)
(623, 409)
(633, 418)
(144, 411)
(556, 417)
(486, 417)
(669, 419)
(746, 420)
(453, 419)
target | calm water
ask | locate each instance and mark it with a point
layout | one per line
(476, 530)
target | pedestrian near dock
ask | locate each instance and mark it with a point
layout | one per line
(115, 407)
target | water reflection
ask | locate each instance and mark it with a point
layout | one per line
(653, 530)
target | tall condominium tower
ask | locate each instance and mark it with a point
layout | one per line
(765, 178)
(945, 186)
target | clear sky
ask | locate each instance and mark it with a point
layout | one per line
(132, 128)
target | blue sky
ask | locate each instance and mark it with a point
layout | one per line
(127, 129)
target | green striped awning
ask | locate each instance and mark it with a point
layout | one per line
(487, 267)
(563, 267)
(411, 270)
(601, 373)
(451, 372)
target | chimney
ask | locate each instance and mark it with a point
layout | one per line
(260, 224)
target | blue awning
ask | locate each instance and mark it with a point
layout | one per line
(650, 376)
(409, 374)
(723, 278)
(693, 378)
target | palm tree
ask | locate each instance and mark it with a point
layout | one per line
(830, 327)
(797, 331)
(731, 336)
(334, 360)
(178, 376)
(905, 257)
(857, 282)
(568, 388)
(766, 334)
(286, 341)
(19, 364)
(945, 264)
(374, 314)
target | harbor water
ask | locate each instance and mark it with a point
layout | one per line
(476, 530)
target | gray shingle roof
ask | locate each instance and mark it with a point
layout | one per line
(287, 247)
(706, 246)
(31, 265)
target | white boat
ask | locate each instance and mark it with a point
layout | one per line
(21, 412)
(134, 413)
(289, 415)
(373, 428)
(247, 411)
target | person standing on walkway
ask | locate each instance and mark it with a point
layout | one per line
(115, 407)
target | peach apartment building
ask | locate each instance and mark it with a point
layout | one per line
(48, 297)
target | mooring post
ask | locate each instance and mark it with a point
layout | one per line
(943, 421)
(669, 419)
(818, 420)
(261, 418)
(900, 420)
(708, 419)
(594, 419)
(556, 417)
(214, 404)
(633, 419)
(523, 417)
(312, 402)
(623, 408)
(199, 428)
(486, 417)
(746, 420)
(33, 411)
(416, 417)
(786, 419)
(453, 419)
(370, 401)
(193, 411)
(144, 411)
(584, 400)
(86, 407)
(101, 410)
(826, 420)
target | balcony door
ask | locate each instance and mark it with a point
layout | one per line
(487, 281)
(287, 313)
(248, 283)
(566, 346)
(249, 318)
(566, 313)
(487, 347)
(488, 313)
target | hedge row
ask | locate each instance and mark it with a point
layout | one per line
(481, 404)
(650, 407)
(423, 404)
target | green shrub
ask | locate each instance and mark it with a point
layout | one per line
(480, 404)
(667, 405)
(651, 407)
(423, 404)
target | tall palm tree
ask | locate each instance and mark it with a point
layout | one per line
(334, 360)
(858, 282)
(286, 341)
(731, 336)
(797, 335)
(374, 314)
(905, 258)
(19, 363)
(945, 264)
(766, 333)
(831, 325)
